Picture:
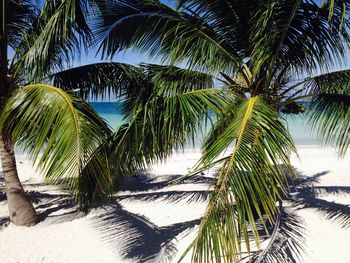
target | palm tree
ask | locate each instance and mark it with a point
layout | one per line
(44, 114)
(266, 58)
(61, 133)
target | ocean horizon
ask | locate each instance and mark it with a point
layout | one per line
(297, 124)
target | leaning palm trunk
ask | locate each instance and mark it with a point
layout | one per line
(21, 211)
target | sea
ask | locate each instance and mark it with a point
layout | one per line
(297, 124)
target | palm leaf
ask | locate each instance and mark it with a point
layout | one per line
(330, 107)
(162, 125)
(336, 82)
(249, 183)
(57, 35)
(300, 36)
(155, 28)
(99, 79)
(161, 81)
(16, 19)
(60, 133)
(170, 79)
(330, 116)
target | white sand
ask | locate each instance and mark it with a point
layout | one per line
(151, 222)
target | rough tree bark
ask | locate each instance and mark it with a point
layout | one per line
(21, 210)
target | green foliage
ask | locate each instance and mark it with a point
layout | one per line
(154, 27)
(265, 54)
(60, 133)
(330, 115)
(98, 80)
(249, 182)
(55, 35)
(165, 109)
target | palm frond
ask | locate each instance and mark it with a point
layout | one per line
(16, 20)
(99, 79)
(170, 79)
(155, 28)
(336, 82)
(60, 133)
(287, 243)
(163, 82)
(330, 116)
(335, 7)
(249, 183)
(162, 125)
(300, 35)
(57, 35)
(330, 107)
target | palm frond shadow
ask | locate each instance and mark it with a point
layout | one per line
(170, 196)
(141, 239)
(2, 195)
(286, 241)
(142, 182)
(143, 188)
(4, 222)
(307, 195)
(302, 181)
(54, 208)
(336, 212)
(2, 181)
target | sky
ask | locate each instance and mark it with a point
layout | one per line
(129, 56)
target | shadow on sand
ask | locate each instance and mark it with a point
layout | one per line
(54, 208)
(136, 237)
(139, 239)
(309, 196)
(286, 243)
(51, 207)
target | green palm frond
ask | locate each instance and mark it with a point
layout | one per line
(162, 125)
(60, 133)
(16, 19)
(217, 140)
(163, 82)
(55, 37)
(299, 35)
(330, 116)
(170, 79)
(99, 79)
(161, 31)
(249, 183)
(330, 107)
(336, 82)
(335, 8)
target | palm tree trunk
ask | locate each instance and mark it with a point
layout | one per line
(21, 210)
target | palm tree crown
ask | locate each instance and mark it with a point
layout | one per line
(61, 133)
(267, 56)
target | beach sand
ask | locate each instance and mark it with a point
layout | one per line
(150, 221)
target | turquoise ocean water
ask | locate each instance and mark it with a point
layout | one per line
(299, 130)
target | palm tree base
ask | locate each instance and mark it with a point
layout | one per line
(21, 210)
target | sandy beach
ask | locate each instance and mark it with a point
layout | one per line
(150, 221)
